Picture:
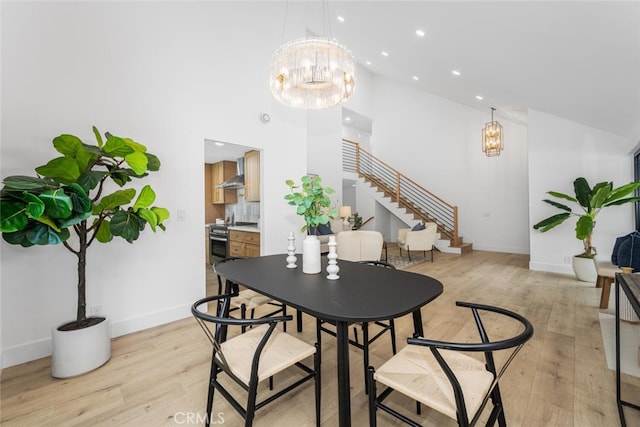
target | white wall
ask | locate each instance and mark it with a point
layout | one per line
(436, 143)
(168, 75)
(324, 149)
(171, 75)
(362, 99)
(559, 152)
(349, 194)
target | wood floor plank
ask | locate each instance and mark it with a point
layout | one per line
(158, 377)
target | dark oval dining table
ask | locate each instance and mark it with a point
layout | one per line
(363, 293)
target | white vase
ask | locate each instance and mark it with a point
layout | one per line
(81, 350)
(585, 269)
(311, 255)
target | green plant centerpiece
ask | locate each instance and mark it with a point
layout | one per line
(590, 202)
(311, 201)
(357, 221)
(68, 196)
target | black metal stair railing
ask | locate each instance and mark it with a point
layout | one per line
(402, 190)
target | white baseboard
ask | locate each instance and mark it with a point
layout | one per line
(42, 348)
(26, 352)
(551, 268)
(504, 249)
(149, 320)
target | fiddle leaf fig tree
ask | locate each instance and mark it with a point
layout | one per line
(590, 202)
(311, 202)
(68, 197)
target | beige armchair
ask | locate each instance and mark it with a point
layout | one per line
(337, 226)
(421, 240)
(359, 245)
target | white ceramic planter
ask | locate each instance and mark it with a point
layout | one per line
(80, 351)
(585, 269)
(311, 255)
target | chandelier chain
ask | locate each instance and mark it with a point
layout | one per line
(284, 23)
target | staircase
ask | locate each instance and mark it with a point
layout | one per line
(403, 197)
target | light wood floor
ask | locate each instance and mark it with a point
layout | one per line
(158, 377)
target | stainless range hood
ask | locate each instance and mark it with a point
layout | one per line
(238, 180)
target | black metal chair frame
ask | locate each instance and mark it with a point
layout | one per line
(281, 308)
(218, 363)
(366, 341)
(486, 346)
(432, 250)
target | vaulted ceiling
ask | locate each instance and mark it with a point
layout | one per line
(579, 60)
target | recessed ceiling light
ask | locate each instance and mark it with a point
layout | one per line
(479, 97)
(340, 18)
(383, 53)
(420, 33)
(219, 144)
(367, 62)
(456, 72)
(415, 78)
(348, 119)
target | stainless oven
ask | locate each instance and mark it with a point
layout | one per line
(218, 242)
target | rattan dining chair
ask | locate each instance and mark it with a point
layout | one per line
(251, 357)
(385, 326)
(248, 299)
(439, 375)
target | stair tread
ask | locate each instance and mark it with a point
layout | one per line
(462, 245)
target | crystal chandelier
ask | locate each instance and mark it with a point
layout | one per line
(312, 73)
(492, 137)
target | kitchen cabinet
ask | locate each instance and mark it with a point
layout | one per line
(223, 171)
(252, 176)
(244, 243)
(211, 211)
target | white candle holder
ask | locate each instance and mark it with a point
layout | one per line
(332, 268)
(291, 251)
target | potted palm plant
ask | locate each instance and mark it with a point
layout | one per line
(70, 196)
(590, 201)
(313, 204)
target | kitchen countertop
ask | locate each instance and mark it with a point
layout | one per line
(249, 228)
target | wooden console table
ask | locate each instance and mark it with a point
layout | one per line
(630, 285)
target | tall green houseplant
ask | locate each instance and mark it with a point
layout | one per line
(67, 197)
(590, 202)
(311, 202)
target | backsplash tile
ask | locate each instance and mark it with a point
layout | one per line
(243, 211)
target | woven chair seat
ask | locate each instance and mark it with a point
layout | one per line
(416, 373)
(251, 299)
(281, 351)
(443, 376)
(252, 356)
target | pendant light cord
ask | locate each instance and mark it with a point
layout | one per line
(326, 20)
(284, 24)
